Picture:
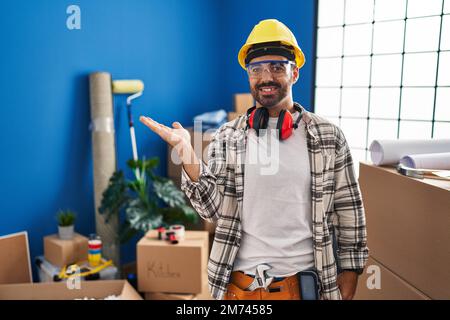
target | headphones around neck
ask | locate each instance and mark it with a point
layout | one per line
(258, 118)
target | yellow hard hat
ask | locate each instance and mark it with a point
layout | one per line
(271, 30)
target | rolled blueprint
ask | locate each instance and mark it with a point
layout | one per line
(391, 151)
(104, 153)
(434, 161)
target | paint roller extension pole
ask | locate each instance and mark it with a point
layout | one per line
(131, 124)
(135, 89)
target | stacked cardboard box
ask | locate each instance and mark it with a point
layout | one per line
(379, 283)
(232, 115)
(173, 271)
(62, 252)
(408, 225)
(241, 103)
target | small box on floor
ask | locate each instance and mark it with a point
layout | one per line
(175, 268)
(62, 252)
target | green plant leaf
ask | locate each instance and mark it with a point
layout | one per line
(115, 197)
(143, 165)
(179, 215)
(66, 218)
(137, 185)
(190, 213)
(167, 191)
(140, 217)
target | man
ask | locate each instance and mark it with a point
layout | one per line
(272, 227)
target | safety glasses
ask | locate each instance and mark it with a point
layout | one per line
(278, 68)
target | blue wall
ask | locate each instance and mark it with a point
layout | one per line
(184, 51)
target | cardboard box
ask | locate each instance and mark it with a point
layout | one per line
(169, 296)
(59, 291)
(15, 266)
(242, 102)
(204, 295)
(20, 269)
(62, 252)
(408, 223)
(175, 268)
(233, 115)
(200, 141)
(391, 287)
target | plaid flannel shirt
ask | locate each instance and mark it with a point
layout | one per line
(336, 201)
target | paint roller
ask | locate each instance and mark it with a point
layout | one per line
(134, 89)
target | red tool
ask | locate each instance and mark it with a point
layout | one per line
(172, 238)
(161, 231)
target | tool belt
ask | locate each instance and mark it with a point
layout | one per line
(279, 289)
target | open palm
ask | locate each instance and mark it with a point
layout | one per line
(173, 136)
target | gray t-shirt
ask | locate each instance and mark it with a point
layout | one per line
(276, 217)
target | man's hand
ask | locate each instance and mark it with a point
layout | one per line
(173, 136)
(180, 139)
(347, 282)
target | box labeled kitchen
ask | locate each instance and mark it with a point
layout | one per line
(175, 268)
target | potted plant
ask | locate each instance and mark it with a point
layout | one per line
(148, 201)
(66, 220)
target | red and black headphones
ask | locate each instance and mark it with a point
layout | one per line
(257, 118)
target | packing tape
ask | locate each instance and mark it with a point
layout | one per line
(102, 124)
(179, 230)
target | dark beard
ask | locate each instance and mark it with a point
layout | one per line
(269, 101)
